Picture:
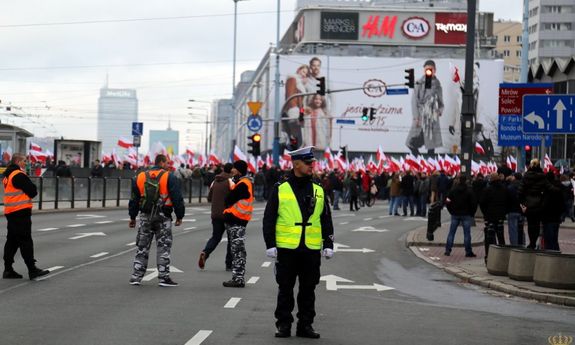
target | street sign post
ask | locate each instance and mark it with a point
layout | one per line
(255, 123)
(549, 114)
(138, 128)
(137, 141)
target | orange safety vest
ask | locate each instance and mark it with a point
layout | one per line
(243, 208)
(164, 194)
(14, 199)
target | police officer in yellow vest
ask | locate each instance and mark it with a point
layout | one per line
(298, 230)
(18, 194)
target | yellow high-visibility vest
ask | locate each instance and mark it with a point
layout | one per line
(289, 224)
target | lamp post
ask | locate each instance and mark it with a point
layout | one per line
(233, 128)
(207, 122)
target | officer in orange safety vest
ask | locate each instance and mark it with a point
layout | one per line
(18, 194)
(155, 221)
(238, 212)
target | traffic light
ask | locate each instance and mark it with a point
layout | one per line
(255, 144)
(301, 114)
(365, 116)
(343, 151)
(410, 78)
(321, 86)
(428, 77)
(372, 112)
(528, 153)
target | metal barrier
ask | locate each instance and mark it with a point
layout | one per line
(67, 192)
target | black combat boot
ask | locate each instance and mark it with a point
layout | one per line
(283, 331)
(36, 272)
(306, 332)
(9, 273)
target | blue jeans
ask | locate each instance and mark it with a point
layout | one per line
(551, 236)
(515, 229)
(336, 196)
(465, 221)
(422, 206)
(393, 202)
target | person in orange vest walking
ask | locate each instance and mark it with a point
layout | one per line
(18, 193)
(238, 212)
(155, 195)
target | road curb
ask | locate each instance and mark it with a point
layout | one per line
(497, 285)
(412, 241)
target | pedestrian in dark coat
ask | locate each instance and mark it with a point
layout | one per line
(531, 192)
(461, 204)
(494, 203)
(553, 204)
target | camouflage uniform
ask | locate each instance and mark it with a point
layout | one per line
(237, 237)
(159, 226)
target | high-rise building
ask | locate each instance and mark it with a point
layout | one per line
(551, 30)
(509, 37)
(117, 109)
(221, 127)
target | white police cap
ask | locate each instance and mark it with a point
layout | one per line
(303, 154)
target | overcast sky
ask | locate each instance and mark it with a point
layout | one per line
(57, 54)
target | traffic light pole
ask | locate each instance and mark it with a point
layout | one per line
(468, 106)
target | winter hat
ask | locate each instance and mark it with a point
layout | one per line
(241, 166)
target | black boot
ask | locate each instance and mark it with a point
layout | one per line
(283, 331)
(35, 272)
(9, 273)
(307, 332)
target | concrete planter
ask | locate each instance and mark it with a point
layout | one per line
(498, 259)
(555, 270)
(521, 264)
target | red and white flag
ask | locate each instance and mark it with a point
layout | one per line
(329, 157)
(479, 149)
(35, 147)
(239, 155)
(252, 164)
(269, 160)
(125, 143)
(341, 161)
(214, 159)
(380, 155)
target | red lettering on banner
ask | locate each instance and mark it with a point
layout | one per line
(372, 27)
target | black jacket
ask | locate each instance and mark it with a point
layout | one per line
(513, 189)
(495, 201)
(460, 201)
(303, 189)
(533, 185)
(553, 204)
(174, 191)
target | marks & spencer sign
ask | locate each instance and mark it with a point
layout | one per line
(339, 25)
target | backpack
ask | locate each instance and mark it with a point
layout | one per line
(151, 202)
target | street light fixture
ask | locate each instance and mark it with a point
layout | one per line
(207, 135)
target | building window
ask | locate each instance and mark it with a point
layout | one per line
(556, 43)
(506, 38)
(557, 26)
(519, 39)
(533, 29)
(518, 53)
(506, 52)
(533, 12)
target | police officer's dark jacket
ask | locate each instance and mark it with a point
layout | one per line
(174, 191)
(303, 190)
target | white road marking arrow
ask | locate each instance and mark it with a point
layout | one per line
(338, 247)
(154, 273)
(369, 229)
(559, 108)
(532, 118)
(87, 234)
(332, 280)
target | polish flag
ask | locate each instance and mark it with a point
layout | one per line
(341, 161)
(479, 149)
(329, 157)
(371, 166)
(201, 160)
(189, 151)
(411, 161)
(434, 164)
(380, 155)
(252, 165)
(286, 157)
(269, 161)
(213, 158)
(35, 147)
(394, 165)
(457, 166)
(125, 143)
(548, 165)
(513, 163)
(260, 162)
(475, 168)
(239, 155)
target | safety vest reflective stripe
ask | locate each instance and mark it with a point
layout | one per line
(164, 194)
(243, 209)
(14, 199)
(289, 223)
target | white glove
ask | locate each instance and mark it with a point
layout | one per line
(272, 252)
(328, 253)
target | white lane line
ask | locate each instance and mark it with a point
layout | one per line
(343, 215)
(47, 229)
(266, 264)
(232, 302)
(75, 225)
(367, 219)
(188, 220)
(253, 280)
(209, 212)
(99, 254)
(125, 219)
(343, 223)
(131, 244)
(190, 228)
(255, 219)
(52, 269)
(199, 337)
(382, 217)
(104, 222)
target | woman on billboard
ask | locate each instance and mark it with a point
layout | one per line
(427, 107)
(317, 123)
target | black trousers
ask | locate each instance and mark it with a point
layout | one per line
(304, 265)
(533, 229)
(352, 202)
(493, 234)
(19, 237)
(218, 229)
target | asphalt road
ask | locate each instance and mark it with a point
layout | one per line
(87, 299)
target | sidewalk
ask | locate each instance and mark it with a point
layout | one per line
(472, 270)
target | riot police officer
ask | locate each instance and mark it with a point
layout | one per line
(298, 229)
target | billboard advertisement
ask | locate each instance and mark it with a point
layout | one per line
(421, 120)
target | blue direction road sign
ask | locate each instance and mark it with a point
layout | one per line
(255, 123)
(551, 114)
(402, 91)
(137, 128)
